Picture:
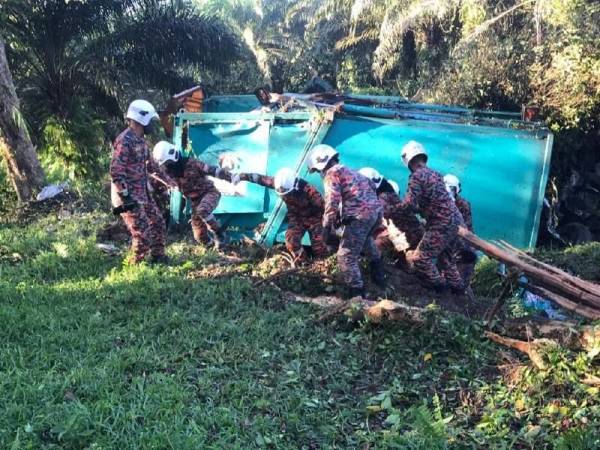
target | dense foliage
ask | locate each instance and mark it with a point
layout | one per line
(78, 63)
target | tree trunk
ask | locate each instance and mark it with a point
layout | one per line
(24, 168)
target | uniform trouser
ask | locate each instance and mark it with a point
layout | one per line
(203, 219)
(466, 260)
(296, 229)
(146, 226)
(435, 256)
(357, 237)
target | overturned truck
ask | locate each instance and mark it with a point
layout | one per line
(502, 161)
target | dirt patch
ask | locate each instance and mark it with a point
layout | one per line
(63, 205)
(316, 278)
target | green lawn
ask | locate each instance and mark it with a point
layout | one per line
(100, 356)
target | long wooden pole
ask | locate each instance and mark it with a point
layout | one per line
(566, 290)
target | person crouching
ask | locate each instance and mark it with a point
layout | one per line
(304, 209)
(405, 221)
(350, 202)
(191, 176)
(434, 258)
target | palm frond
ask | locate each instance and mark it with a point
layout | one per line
(348, 42)
(397, 22)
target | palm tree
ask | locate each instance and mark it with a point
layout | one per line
(75, 61)
(261, 25)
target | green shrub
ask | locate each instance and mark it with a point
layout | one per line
(73, 149)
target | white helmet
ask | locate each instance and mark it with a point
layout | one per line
(372, 175)
(165, 151)
(319, 157)
(141, 111)
(452, 183)
(285, 181)
(394, 186)
(412, 149)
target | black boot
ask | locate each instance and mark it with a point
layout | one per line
(378, 273)
(219, 241)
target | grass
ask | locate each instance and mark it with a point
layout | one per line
(97, 355)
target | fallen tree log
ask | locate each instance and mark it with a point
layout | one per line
(565, 303)
(575, 281)
(376, 312)
(568, 291)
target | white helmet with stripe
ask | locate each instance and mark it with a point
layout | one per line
(142, 112)
(285, 181)
(165, 151)
(452, 183)
(320, 156)
(372, 175)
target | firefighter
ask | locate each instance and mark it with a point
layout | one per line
(352, 204)
(130, 195)
(191, 176)
(304, 209)
(434, 258)
(466, 256)
(405, 221)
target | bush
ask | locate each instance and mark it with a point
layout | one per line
(72, 149)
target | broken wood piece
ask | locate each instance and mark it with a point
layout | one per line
(335, 310)
(276, 276)
(506, 288)
(376, 312)
(388, 310)
(575, 281)
(535, 349)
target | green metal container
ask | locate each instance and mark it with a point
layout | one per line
(503, 163)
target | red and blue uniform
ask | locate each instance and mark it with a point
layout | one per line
(434, 258)
(192, 177)
(129, 169)
(304, 213)
(351, 202)
(466, 256)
